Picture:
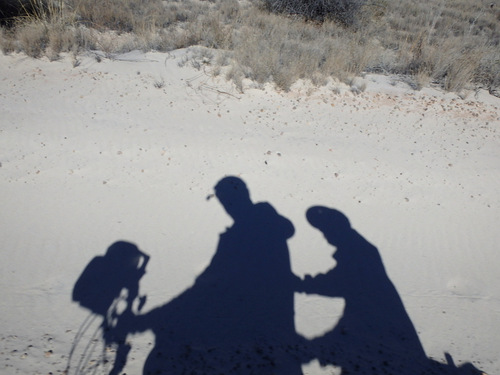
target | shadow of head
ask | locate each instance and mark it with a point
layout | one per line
(333, 223)
(103, 279)
(234, 196)
(124, 256)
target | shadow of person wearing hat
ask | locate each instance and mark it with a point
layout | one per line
(238, 316)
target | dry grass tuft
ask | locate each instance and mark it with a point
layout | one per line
(33, 38)
(450, 43)
(7, 41)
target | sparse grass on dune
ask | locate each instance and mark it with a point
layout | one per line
(452, 43)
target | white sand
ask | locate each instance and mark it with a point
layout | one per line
(96, 153)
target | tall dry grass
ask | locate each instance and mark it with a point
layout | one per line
(451, 43)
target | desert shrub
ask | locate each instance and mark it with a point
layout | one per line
(268, 48)
(61, 38)
(41, 10)
(450, 43)
(344, 11)
(12, 10)
(136, 15)
(43, 27)
(33, 38)
(452, 46)
(488, 72)
(105, 15)
(8, 10)
(210, 31)
(7, 40)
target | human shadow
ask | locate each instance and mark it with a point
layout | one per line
(109, 288)
(238, 316)
(375, 334)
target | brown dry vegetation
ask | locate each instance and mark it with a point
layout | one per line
(451, 43)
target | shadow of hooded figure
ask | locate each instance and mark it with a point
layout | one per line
(375, 334)
(106, 283)
(238, 317)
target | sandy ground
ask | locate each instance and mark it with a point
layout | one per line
(129, 149)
